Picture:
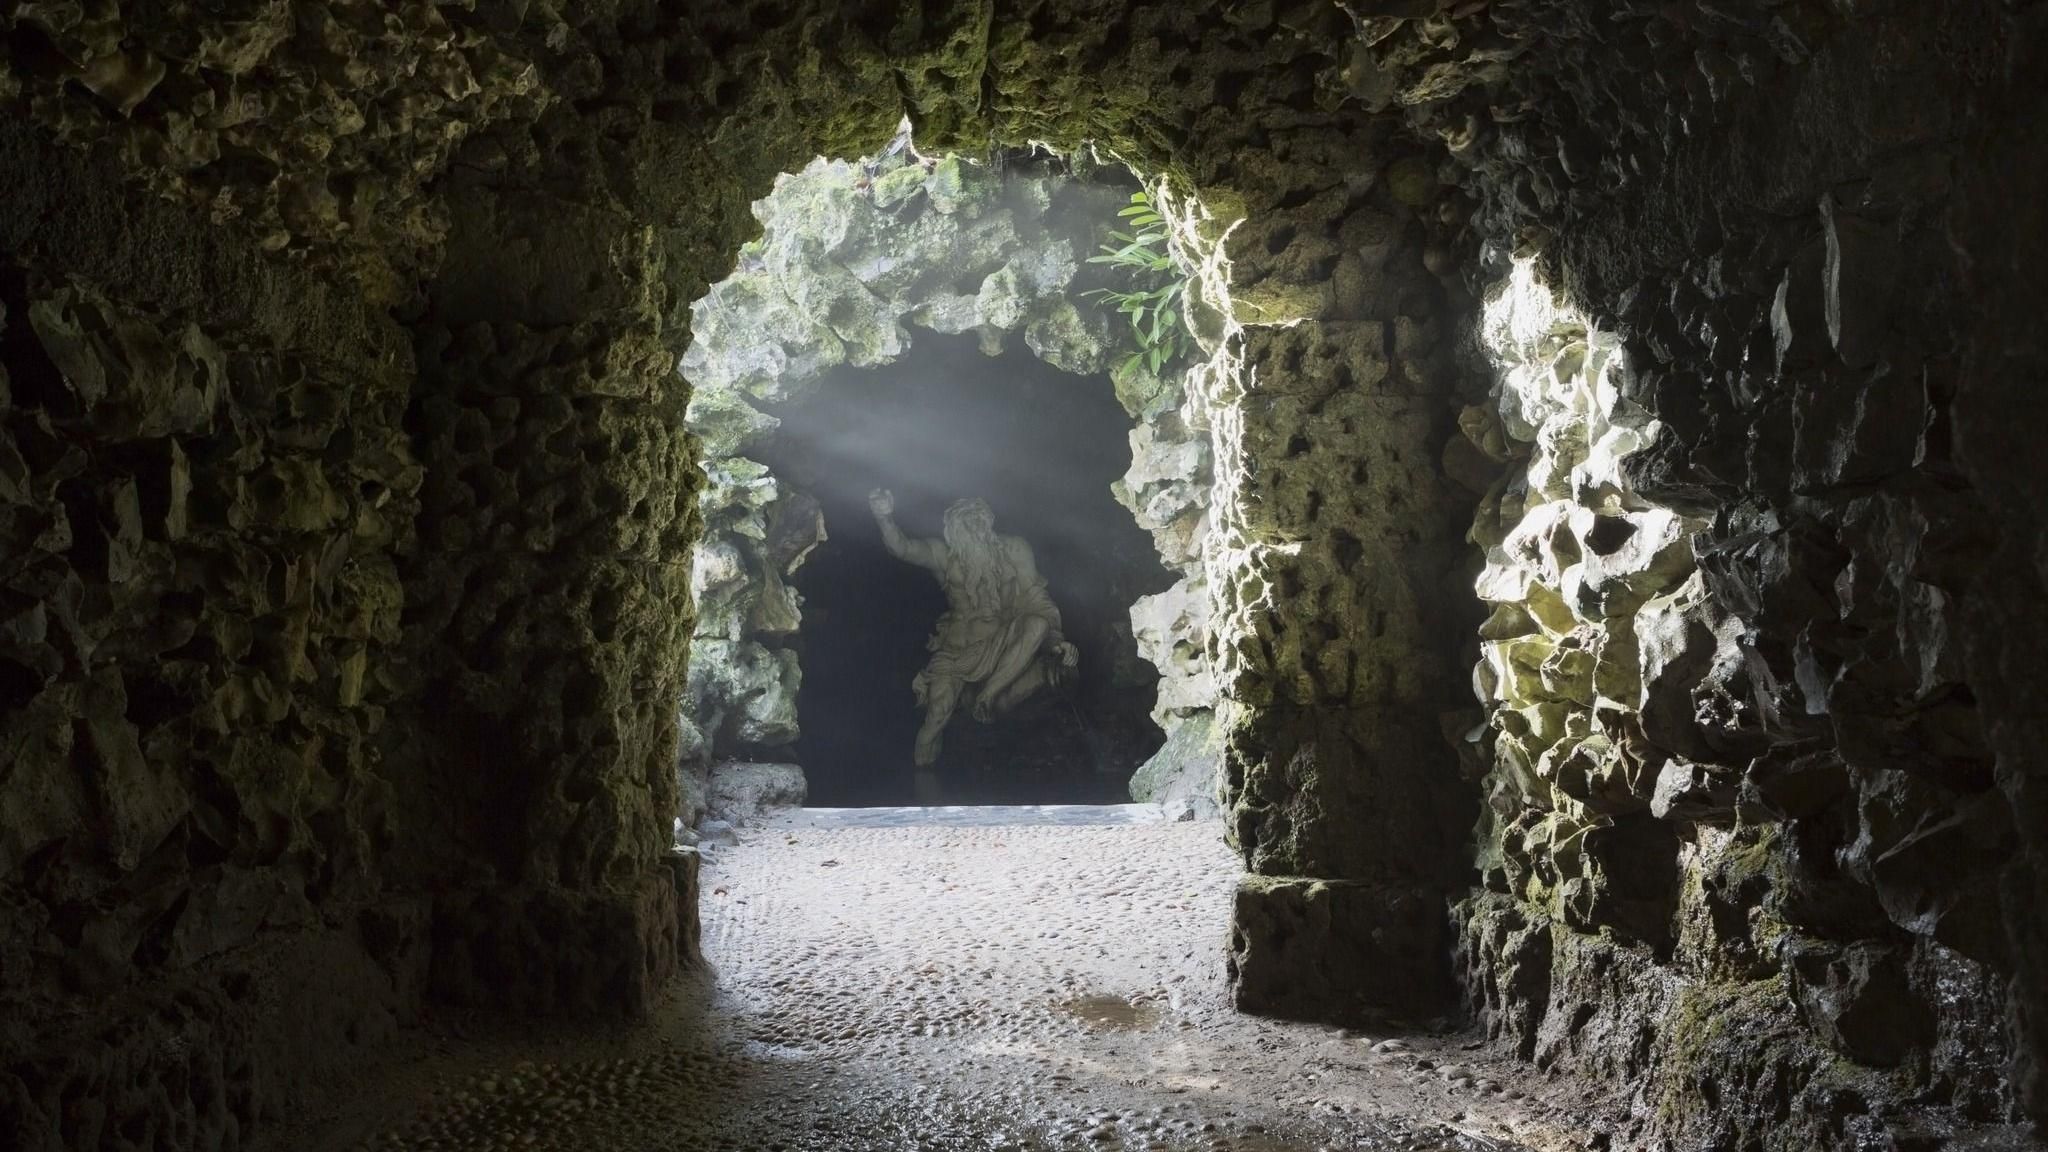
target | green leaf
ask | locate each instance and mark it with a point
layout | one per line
(1152, 304)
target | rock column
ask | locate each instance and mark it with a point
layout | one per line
(1343, 583)
(553, 581)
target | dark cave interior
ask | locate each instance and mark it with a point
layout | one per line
(1042, 447)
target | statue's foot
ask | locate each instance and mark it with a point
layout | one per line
(983, 712)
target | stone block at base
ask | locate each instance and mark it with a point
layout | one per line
(545, 951)
(1339, 951)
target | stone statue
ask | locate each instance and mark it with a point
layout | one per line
(1000, 632)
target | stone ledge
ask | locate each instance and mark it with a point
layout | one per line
(1339, 951)
(546, 951)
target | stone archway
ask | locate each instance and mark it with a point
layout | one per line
(858, 261)
(1331, 391)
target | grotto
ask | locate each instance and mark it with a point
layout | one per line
(930, 328)
(1027, 441)
(1580, 581)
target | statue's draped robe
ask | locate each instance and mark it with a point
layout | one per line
(990, 599)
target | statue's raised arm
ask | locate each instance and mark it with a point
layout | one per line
(923, 553)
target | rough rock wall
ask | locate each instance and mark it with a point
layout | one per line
(216, 865)
(2003, 627)
(1601, 628)
(205, 492)
(1745, 839)
(743, 681)
(551, 588)
(311, 131)
(1673, 157)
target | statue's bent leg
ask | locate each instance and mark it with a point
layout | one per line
(942, 695)
(1020, 689)
(1025, 642)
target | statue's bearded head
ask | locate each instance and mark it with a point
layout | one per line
(970, 526)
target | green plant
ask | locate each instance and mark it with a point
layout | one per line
(1153, 306)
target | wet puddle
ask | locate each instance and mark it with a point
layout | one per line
(1111, 1013)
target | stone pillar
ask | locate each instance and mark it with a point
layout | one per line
(1344, 627)
(552, 586)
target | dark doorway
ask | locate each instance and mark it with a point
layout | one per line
(1042, 447)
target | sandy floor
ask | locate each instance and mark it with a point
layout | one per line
(977, 987)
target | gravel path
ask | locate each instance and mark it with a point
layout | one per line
(958, 986)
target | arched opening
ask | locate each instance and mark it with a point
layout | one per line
(1043, 447)
(930, 331)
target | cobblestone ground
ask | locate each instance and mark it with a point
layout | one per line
(978, 987)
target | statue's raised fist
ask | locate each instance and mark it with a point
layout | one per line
(881, 502)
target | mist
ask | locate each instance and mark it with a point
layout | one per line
(1042, 447)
